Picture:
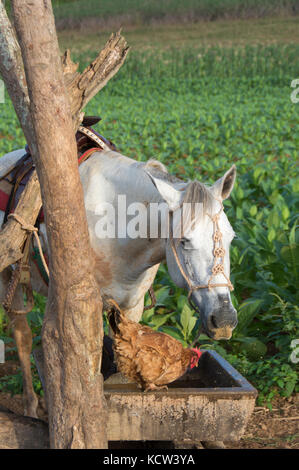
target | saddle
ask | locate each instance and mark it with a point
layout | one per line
(13, 183)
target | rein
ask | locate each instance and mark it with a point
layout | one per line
(218, 253)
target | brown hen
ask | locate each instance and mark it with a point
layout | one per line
(150, 358)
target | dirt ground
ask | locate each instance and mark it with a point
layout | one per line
(276, 429)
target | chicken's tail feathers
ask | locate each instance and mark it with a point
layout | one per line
(115, 316)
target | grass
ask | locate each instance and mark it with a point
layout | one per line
(221, 33)
(198, 110)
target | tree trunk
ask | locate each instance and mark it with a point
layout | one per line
(72, 332)
(81, 88)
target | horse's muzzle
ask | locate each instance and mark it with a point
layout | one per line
(221, 322)
(218, 323)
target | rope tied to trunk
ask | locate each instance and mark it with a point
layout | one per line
(21, 273)
(34, 230)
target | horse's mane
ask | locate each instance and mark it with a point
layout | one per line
(197, 192)
(158, 170)
(197, 202)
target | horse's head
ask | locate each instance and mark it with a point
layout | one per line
(198, 255)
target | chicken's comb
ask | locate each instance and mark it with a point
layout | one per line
(197, 351)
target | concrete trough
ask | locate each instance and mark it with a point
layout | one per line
(213, 402)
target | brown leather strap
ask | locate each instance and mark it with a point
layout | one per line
(97, 138)
(90, 120)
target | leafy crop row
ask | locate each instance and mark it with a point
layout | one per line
(198, 112)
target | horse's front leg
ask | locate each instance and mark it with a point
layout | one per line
(23, 339)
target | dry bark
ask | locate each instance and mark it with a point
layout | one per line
(12, 236)
(72, 331)
(80, 87)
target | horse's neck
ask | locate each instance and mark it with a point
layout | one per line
(105, 177)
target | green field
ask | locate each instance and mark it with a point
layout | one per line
(72, 12)
(107, 14)
(198, 110)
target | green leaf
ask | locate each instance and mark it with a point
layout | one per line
(162, 295)
(271, 234)
(247, 311)
(290, 254)
(158, 320)
(252, 347)
(253, 211)
(186, 314)
(191, 325)
(172, 331)
(289, 387)
(273, 220)
(285, 213)
(280, 383)
(292, 236)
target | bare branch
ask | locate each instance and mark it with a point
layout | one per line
(83, 87)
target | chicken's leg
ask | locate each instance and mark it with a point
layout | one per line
(150, 387)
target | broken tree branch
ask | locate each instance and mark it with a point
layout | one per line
(82, 87)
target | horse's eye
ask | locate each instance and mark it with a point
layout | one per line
(185, 242)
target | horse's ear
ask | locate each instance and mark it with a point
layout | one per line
(170, 195)
(224, 186)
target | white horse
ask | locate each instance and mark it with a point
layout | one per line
(126, 266)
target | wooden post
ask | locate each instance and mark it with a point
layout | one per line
(72, 332)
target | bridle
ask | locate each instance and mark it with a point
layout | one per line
(218, 253)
